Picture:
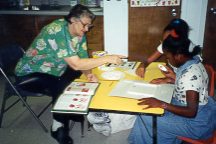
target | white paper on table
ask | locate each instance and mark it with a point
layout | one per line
(112, 75)
(139, 89)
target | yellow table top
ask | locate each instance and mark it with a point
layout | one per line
(102, 100)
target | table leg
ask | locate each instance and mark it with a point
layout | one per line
(154, 129)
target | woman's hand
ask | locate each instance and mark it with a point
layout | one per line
(92, 78)
(151, 103)
(115, 59)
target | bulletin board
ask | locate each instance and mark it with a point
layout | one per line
(150, 3)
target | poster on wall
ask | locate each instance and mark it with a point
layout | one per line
(150, 3)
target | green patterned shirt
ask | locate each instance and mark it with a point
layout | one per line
(47, 52)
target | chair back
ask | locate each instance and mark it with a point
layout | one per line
(9, 56)
(211, 140)
(211, 74)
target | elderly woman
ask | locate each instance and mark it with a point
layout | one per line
(61, 45)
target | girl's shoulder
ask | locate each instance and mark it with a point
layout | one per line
(199, 67)
(196, 69)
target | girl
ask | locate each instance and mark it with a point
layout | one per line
(178, 28)
(191, 111)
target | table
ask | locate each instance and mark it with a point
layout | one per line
(103, 102)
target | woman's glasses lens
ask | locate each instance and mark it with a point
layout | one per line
(85, 25)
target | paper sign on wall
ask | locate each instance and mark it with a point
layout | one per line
(149, 3)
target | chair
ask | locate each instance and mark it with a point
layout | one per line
(211, 73)
(9, 56)
(212, 139)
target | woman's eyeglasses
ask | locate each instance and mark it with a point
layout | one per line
(89, 26)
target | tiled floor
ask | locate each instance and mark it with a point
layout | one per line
(19, 127)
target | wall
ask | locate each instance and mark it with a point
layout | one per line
(22, 29)
(60, 2)
(194, 12)
(116, 27)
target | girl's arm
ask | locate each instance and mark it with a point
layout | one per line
(156, 55)
(170, 77)
(165, 80)
(190, 110)
(140, 71)
(170, 73)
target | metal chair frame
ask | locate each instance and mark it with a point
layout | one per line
(21, 98)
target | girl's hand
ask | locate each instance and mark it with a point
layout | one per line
(159, 81)
(92, 78)
(151, 103)
(163, 81)
(169, 73)
(140, 71)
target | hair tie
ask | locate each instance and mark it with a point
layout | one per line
(173, 34)
(177, 21)
(191, 47)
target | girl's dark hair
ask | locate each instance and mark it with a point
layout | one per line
(79, 11)
(179, 26)
(180, 46)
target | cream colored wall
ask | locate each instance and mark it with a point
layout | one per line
(194, 12)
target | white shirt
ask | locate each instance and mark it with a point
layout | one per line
(159, 48)
(193, 78)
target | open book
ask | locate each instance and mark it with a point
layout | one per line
(125, 65)
(76, 98)
(140, 89)
(86, 88)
